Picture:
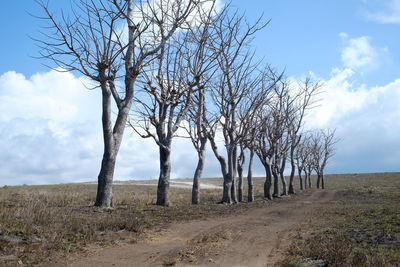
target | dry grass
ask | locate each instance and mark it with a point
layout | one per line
(361, 229)
(37, 222)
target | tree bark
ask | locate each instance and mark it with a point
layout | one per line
(104, 196)
(163, 181)
(240, 163)
(112, 137)
(301, 180)
(198, 173)
(276, 182)
(227, 184)
(322, 181)
(292, 172)
(226, 194)
(240, 183)
(233, 171)
(305, 179)
(268, 182)
(284, 184)
(283, 179)
(318, 180)
(250, 192)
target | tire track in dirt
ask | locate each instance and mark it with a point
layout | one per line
(256, 237)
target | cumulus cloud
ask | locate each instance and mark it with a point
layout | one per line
(359, 54)
(388, 13)
(44, 126)
(367, 120)
(50, 126)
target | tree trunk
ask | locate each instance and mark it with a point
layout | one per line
(284, 184)
(104, 196)
(292, 172)
(226, 194)
(309, 180)
(234, 189)
(233, 170)
(268, 182)
(305, 179)
(301, 180)
(198, 173)
(163, 180)
(276, 182)
(322, 181)
(240, 183)
(250, 192)
(318, 180)
(283, 179)
(112, 138)
(240, 163)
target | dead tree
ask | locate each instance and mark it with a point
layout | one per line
(201, 64)
(304, 100)
(301, 153)
(264, 148)
(322, 144)
(267, 129)
(92, 42)
(165, 99)
(233, 82)
(280, 112)
(247, 114)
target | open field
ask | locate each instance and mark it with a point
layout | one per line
(356, 221)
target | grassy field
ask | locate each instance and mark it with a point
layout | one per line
(38, 223)
(361, 229)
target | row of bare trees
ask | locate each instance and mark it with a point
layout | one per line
(167, 65)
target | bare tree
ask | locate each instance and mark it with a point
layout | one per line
(163, 103)
(247, 111)
(235, 80)
(201, 63)
(300, 155)
(267, 129)
(309, 168)
(264, 149)
(304, 101)
(322, 144)
(93, 42)
(280, 112)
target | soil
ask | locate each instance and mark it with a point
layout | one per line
(256, 237)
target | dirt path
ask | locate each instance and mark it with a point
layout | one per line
(254, 238)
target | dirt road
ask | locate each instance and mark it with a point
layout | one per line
(256, 237)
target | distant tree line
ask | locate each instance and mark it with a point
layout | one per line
(167, 65)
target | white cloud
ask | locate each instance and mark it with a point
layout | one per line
(367, 120)
(46, 143)
(359, 54)
(50, 126)
(388, 14)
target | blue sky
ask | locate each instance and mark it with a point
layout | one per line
(302, 35)
(49, 121)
